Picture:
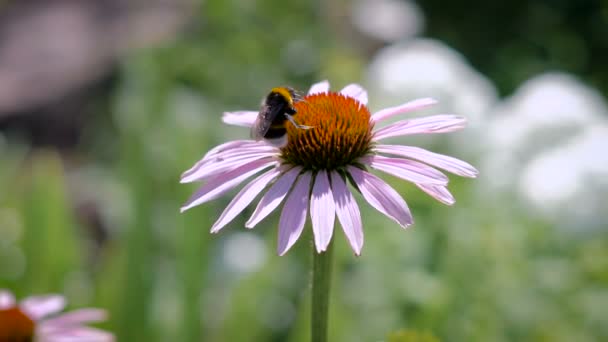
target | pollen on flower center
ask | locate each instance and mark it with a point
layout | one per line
(341, 132)
(15, 326)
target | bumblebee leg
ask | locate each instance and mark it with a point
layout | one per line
(293, 122)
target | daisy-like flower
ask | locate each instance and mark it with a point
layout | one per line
(37, 319)
(312, 172)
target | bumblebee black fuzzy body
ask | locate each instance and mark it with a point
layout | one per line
(277, 108)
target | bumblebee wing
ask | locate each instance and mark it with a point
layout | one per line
(264, 121)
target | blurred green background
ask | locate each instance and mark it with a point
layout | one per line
(104, 103)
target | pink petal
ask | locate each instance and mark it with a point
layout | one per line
(223, 183)
(250, 146)
(406, 169)
(38, 307)
(273, 197)
(228, 146)
(450, 164)
(244, 198)
(322, 211)
(216, 167)
(220, 160)
(7, 300)
(348, 213)
(386, 113)
(424, 125)
(438, 192)
(293, 215)
(77, 317)
(240, 152)
(223, 148)
(72, 334)
(321, 87)
(240, 118)
(381, 196)
(355, 91)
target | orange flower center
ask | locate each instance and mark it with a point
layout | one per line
(15, 326)
(341, 132)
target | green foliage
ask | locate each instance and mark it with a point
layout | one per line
(483, 270)
(411, 336)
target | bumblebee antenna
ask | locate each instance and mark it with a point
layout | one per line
(297, 96)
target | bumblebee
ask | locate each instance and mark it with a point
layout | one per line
(277, 108)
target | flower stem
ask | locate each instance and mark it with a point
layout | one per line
(321, 281)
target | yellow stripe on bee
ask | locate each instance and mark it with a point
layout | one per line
(283, 92)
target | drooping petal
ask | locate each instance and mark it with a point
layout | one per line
(240, 118)
(224, 161)
(231, 145)
(77, 317)
(273, 197)
(249, 146)
(386, 113)
(381, 196)
(38, 307)
(347, 212)
(450, 164)
(355, 91)
(223, 183)
(438, 192)
(7, 300)
(293, 216)
(210, 169)
(240, 152)
(321, 87)
(322, 211)
(244, 198)
(426, 125)
(406, 169)
(50, 333)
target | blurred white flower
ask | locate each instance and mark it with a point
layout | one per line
(422, 67)
(388, 20)
(572, 175)
(553, 104)
(543, 113)
(245, 253)
(548, 141)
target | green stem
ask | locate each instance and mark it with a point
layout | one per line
(321, 281)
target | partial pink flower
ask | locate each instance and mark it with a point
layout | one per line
(38, 318)
(310, 175)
